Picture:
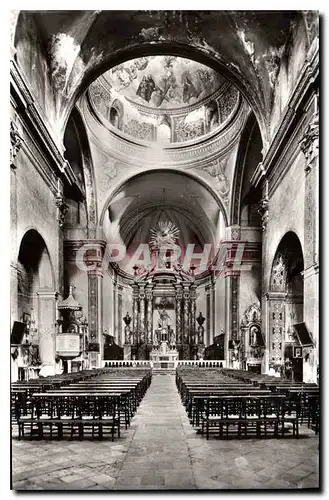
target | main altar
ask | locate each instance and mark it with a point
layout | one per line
(163, 327)
(164, 352)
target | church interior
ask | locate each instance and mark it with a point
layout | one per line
(164, 215)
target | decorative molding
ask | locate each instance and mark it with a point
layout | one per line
(235, 285)
(218, 94)
(190, 155)
(16, 141)
(279, 273)
(62, 210)
(310, 142)
(23, 98)
(282, 137)
(263, 210)
(216, 169)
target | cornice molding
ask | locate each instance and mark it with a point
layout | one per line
(27, 107)
(178, 155)
(291, 117)
(184, 110)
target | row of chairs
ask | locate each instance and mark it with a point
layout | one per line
(261, 416)
(80, 416)
(214, 401)
(86, 408)
(308, 394)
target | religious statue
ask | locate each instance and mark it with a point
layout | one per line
(254, 335)
(172, 339)
(200, 319)
(235, 354)
(127, 320)
(164, 318)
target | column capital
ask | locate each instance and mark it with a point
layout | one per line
(93, 256)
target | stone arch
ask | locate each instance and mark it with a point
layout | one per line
(165, 129)
(36, 295)
(88, 171)
(250, 130)
(179, 50)
(116, 114)
(287, 263)
(286, 304)
(193, 176)
(33, 257)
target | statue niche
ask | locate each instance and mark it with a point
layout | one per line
(252, 339)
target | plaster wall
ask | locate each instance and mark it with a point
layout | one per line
(286, 213)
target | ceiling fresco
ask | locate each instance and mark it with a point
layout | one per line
(164, 81)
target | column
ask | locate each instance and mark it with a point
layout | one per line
(94, 261)
(15, 146)
(149, 317)
(179, 298)
(213, 310)
(186, 333)
(208, 316)
(135, 313)
(310, 148)
(193, 314)
(142, 314)
(13, 242)
(266, 329)
(114, 309)
(232, 279)
(47, 331)
(119, 317)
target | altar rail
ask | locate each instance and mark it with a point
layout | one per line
(181, 362)
(126, 363)
(211, 363)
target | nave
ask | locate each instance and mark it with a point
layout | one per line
(161, 449)
(164, 249)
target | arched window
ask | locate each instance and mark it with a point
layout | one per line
(114, 117)
(164, 133)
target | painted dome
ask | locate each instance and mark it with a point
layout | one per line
(163, 99)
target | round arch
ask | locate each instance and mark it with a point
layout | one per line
(250, 127)
(191, 176)
(35, 270)
(288, 263)
(88, 170)
(286, 307)
(180, 50)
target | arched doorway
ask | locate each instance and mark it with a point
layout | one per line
(286, 301)
(36, 301)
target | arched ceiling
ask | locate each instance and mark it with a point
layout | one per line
(245, 46)
(149, 198)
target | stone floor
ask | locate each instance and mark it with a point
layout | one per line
(161, 450)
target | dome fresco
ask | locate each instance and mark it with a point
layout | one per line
(163, 99)
(164, 81)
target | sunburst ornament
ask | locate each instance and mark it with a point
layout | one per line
(164, 235)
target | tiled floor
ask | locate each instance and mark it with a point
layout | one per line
(161, 450)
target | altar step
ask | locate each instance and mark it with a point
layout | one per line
(163, 371)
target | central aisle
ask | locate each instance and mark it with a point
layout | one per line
(158, 456)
